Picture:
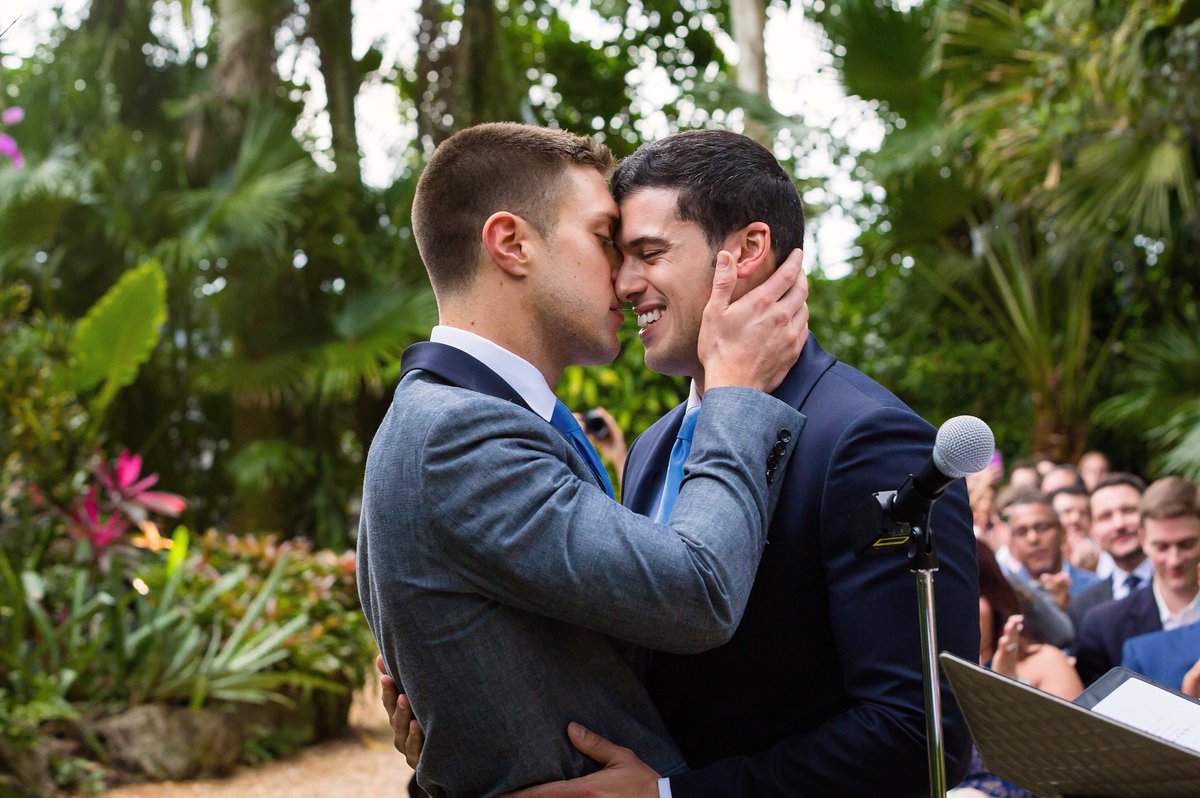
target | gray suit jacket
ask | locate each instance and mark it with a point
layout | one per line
(493, 571)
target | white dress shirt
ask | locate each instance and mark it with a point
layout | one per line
(518, 372)
(1173, 620)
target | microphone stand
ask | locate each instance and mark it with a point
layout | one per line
(874, 532)
(923, 554)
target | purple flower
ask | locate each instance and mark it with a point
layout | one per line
(13, 115)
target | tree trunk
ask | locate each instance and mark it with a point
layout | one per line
(243, 77)
(480, 69)
(329, 24)
(426, 99)
(244, 71)
(748, 20)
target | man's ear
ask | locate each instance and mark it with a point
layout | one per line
(506, 242)
(751, 249)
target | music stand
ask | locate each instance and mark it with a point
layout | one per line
(1057, 749)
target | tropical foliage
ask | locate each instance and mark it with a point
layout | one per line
(98, 609)
(1039, 182)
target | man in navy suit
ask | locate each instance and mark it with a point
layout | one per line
(819, 692)
(1116, 521)
(1170, 536)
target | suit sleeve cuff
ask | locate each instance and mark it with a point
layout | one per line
(664, 788)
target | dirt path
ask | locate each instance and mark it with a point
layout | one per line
(362, 764)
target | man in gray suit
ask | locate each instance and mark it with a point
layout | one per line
(492, 565)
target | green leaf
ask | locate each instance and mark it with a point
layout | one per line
(179, 550)
(118, 334)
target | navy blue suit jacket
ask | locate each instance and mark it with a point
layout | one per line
(1107, 626)
(819, 692)
(1165, 657)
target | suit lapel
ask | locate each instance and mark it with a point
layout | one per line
(1147, 610)
(458, 368)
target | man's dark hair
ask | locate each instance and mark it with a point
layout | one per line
(725, 181)
(1070, 490)
(1070, 469)
(501, 166)
(1121, 478)
(1028, 497)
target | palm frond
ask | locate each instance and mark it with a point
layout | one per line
(1164, 400)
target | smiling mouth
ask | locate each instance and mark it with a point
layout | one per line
(644, 320)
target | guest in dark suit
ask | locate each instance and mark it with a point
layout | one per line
(1170, 535)
(819, 692)
(1107, 627)
(494, 570)
(1116, 521)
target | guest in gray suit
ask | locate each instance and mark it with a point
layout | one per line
(493, 567)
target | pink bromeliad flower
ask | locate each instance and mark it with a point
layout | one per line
(129, 490)
(88, 523)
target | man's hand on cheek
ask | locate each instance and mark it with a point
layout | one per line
(755, 340)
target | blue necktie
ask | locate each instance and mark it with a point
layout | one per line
(565, 422)
(679, 456)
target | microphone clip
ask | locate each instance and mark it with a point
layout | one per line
(874, 532)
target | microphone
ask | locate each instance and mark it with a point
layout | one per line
(884, 521)
(964, 445)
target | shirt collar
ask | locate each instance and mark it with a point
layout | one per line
(694, 397)
(1188, 615)
(1145, 571)
(518, 372)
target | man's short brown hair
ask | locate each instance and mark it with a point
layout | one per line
(1170, 497)
(500, 166)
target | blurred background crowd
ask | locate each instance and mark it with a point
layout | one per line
(1083, 569)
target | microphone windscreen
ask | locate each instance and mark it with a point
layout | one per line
(964, 445)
